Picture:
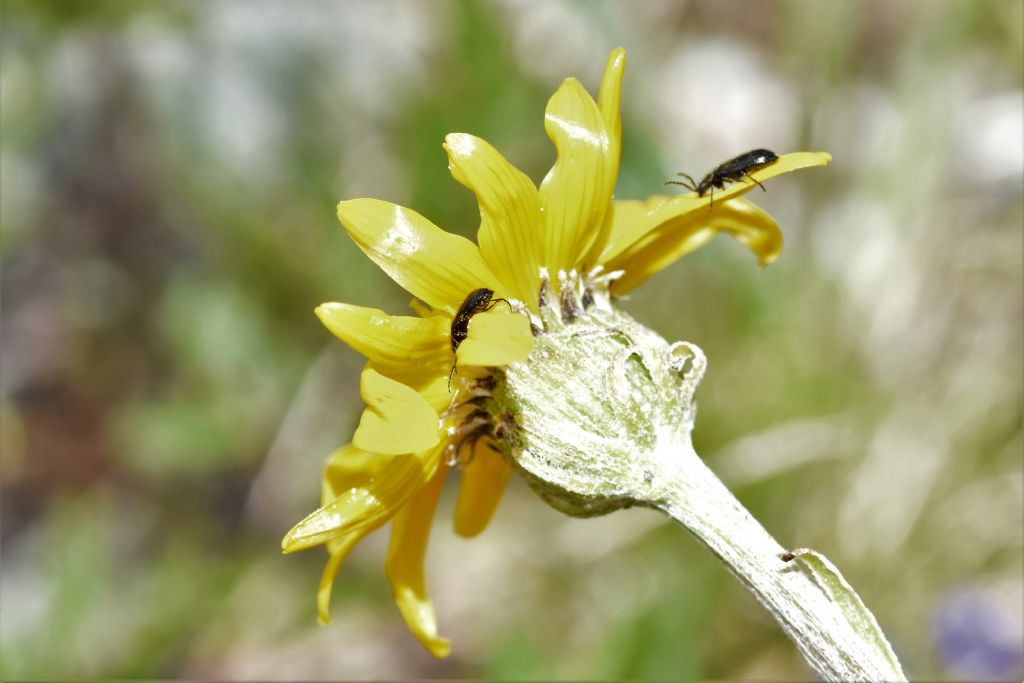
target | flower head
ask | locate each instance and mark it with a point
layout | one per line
(552, 250)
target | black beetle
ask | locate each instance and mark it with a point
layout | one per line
(478, 301)
(729, 172)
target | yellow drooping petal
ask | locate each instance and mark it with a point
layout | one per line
(498, 337)
(337, 550)
(632, 221)
(406, 554)
(367, 506)
(396, 420)
(389, 341)
(575, 193)
(510, 218)
(674, 239)
(346, 468)
(438, 267)
(609, 99)
(480, 490)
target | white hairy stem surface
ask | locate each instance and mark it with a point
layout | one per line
(599, 418)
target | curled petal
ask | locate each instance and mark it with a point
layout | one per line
(347, 468)
(389, 341)
(631, 221)
(367, 506)
(436, 266)
(496, 338)
(396, 420)
(406, 553)
(337, 550)
(678, 237)
(576, 191)
(510, 218)
(483, 483)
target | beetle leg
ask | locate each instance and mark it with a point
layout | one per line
(690, 185)
(494, 302)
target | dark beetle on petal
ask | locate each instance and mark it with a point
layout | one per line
(478, 301)
(729, 172)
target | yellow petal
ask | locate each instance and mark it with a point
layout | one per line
(498, 337)
(787, 163)
(676, 238)
(609, 99)
(483, 482)
(436, 266)
(575, 193)
(631, 221)
(425, 311)
(389, 341)
(348, 468)
(406, 553)
(430, 382)
(337, 549)
(510, 219)
(368, 506)
(396, 419)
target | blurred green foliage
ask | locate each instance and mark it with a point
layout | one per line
(168, 177)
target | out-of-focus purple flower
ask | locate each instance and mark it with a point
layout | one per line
(979, 635)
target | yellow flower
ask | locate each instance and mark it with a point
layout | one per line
(420, 421)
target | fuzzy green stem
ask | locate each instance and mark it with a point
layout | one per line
(825, 626)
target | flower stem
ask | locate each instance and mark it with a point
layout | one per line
(599, 419)
(836, 634)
